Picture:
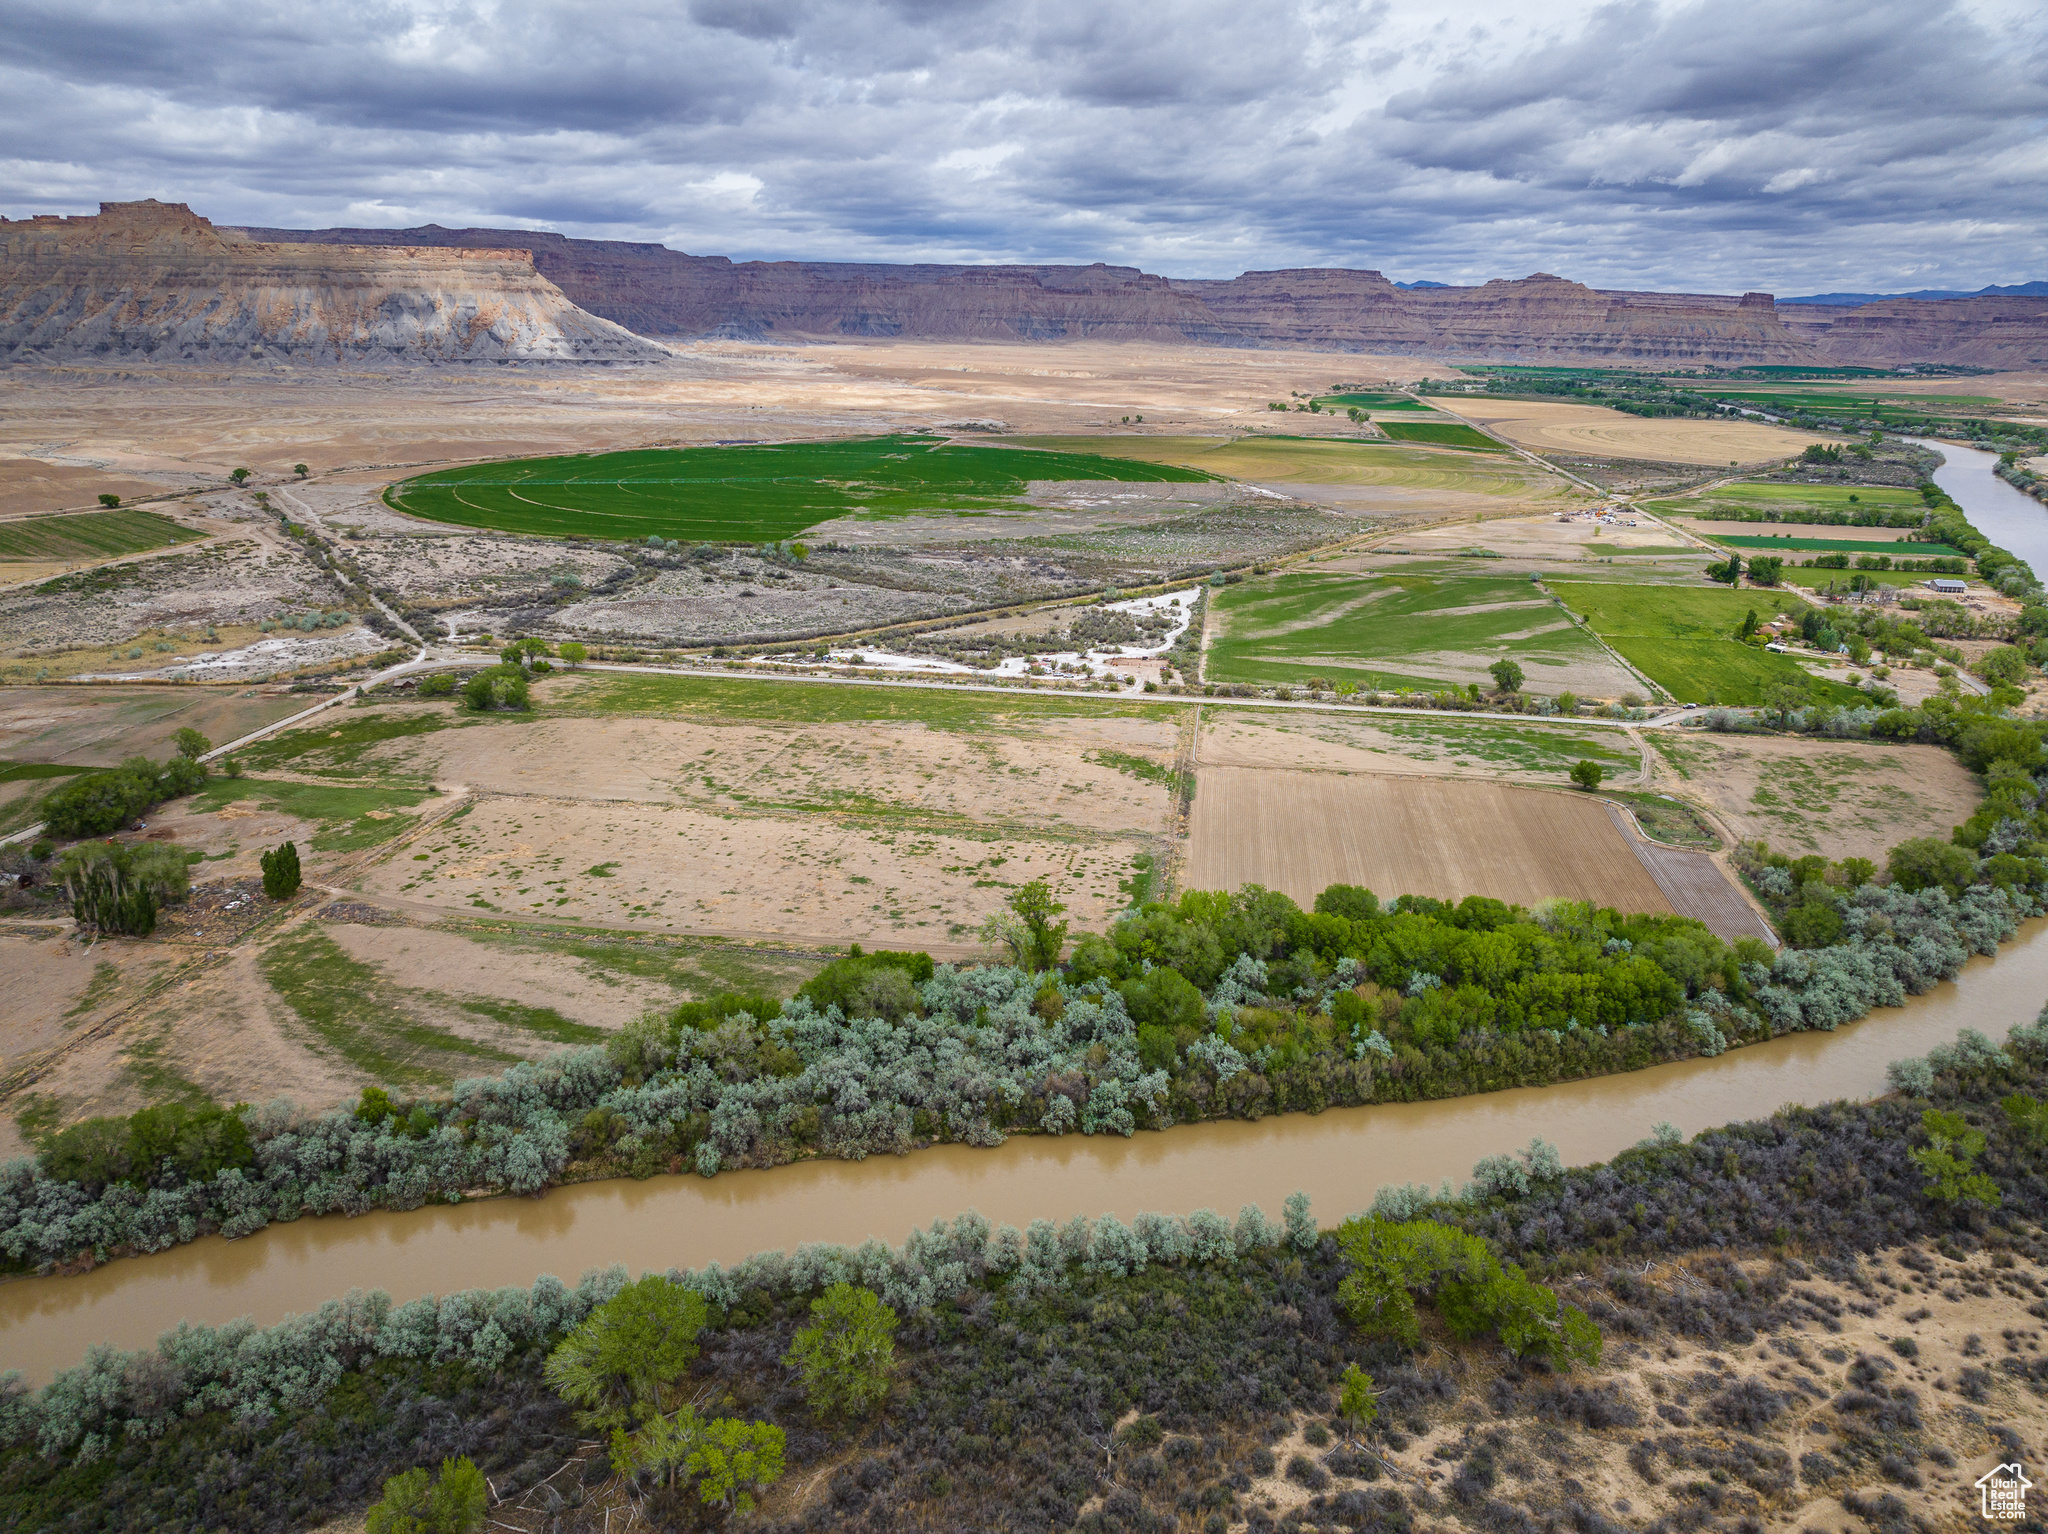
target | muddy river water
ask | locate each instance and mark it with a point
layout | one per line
(1340, 1157)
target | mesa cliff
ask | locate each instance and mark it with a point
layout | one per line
(151, 281)
(661, 292)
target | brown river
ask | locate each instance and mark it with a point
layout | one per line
(1340, 1157)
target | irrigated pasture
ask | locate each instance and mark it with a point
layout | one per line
(89, 535)
(1840, 799)
(1372, 400)
(1302, 831)
(1402, 630)
(1603, 433)
(748, 492)
(1441, 434)
(1683, 639)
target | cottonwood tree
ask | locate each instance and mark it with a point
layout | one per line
(1507, 676)
(1587, 773)
(846, 1354)
(618, 1363)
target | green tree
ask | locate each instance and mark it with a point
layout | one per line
(1782, 699)
(630, 1349)
(575, 653)
(2028, 1117)
(1568, 704)
(109, 501)
(240, 476)
(1949, 1161)
(300, 470)
(281, 874)
(1747, 626)
(191, 743)
(439, 685)
(734, 1461)
(1587, 773)
(1358, 1404)
(1046, 938)
(2006, 666)
(1927, 862)
(1507, 676)
(847, 1352)
(1765, 569)
(117, 888)
(454, 1504)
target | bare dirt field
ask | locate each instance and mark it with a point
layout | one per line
(1045, 779)
(1547, 427)
(1566, 538)
(1302, 831)
(1837, 798)
(809, 879)
(1414, 747)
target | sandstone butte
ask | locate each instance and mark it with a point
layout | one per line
(661, 292)
(151, 281)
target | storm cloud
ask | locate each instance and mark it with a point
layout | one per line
(1792, 146)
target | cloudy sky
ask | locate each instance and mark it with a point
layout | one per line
(1792, 146)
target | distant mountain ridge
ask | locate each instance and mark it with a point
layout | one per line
(154, 281)
(1849, 300)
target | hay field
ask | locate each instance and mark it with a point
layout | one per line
(1838, 798)
(1604, 433)
(763, 491)
(1401, 629)
(1302, 831)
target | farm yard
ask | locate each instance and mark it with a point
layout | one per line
(755, 493)
(1403, 629)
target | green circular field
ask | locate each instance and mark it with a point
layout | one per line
(749, 493)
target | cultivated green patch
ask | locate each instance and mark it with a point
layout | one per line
(751, 493)
(1904, 549)
(90, 535)
(1683, 639)
(1362, 628)
(1442, 434)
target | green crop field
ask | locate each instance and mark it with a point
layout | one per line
(1276, 459)
(1362, 628)
(1683, 639)
(750, 493)
(1791, 544)
(1441, 434)
(1373, 402)
(90, 535)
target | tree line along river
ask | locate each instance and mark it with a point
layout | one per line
(1339, 1157)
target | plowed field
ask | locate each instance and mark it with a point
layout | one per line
(1300, 832)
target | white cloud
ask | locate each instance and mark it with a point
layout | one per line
(1632, 143)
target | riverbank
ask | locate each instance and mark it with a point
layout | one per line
(1340, 1157)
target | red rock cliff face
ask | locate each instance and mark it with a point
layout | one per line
(662, 292)
(153, 281)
